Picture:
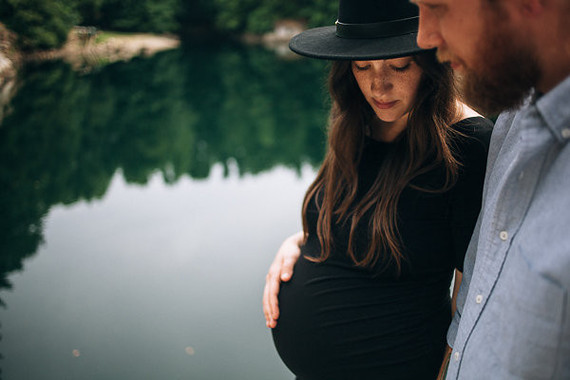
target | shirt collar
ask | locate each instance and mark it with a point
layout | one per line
(554, 108)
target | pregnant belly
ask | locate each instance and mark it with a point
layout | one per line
(336, 321)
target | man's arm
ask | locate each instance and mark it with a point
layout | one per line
(280, 270)
(444, 364)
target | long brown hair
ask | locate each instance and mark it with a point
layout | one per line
(423, 145)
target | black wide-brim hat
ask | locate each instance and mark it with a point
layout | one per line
(365, 30)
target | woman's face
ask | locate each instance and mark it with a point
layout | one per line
(390, 87)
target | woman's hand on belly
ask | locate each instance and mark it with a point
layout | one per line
(280, 270)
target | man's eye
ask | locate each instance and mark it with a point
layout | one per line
(436, 9)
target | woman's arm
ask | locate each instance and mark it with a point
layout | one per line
(280, 270)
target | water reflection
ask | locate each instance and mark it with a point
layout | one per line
(178, 114)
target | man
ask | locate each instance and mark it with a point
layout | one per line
(513, 315)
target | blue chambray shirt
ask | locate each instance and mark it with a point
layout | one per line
(513, 317)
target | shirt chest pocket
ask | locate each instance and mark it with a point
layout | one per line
(533, 326)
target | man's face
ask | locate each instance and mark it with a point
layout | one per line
(496, 69)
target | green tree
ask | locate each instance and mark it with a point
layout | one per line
(39, 24)
(141, 15)
(90, 11)
(256, 16)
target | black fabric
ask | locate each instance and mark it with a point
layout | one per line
(378, 29)
(371, 11)
(338, 321)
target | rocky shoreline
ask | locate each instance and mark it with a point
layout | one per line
(83, 51)
(9, 61)
(9, 58)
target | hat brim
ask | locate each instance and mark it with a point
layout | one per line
(323, 43)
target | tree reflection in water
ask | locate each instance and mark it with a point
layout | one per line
(178, 113)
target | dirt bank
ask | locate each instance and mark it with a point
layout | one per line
(84, 50)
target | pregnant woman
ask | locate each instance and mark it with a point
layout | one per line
(390, 214)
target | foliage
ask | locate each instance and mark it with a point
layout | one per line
(39, 24)
(259, 16)
(44, 24)
(140, 15)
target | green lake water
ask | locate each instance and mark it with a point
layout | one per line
(140, 207)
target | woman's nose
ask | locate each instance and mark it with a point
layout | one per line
(382, 82)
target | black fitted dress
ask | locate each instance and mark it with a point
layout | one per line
(338, 321)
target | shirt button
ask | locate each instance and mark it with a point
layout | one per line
(504, 235)
(456, 356)
(479, 298)
(565, 133)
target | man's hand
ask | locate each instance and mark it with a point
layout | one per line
(280, 270)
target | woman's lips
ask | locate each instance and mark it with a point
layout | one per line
(385, 105)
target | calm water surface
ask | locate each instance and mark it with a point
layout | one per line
(140, 206)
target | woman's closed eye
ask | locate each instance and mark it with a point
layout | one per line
(361, 68)
(401, 68)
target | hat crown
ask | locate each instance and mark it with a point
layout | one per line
(375, 11)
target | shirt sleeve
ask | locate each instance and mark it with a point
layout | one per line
(453, 327)
(465, 207)
(465, 200)
(468, 265)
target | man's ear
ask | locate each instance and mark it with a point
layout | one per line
(523, 9)
(532, 8)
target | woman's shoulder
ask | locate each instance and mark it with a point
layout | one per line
(474, 132)
(472, 124)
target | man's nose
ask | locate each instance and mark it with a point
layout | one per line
(429, 36)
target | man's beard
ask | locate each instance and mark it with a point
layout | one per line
(504, 76)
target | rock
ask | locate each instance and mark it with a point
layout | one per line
(8, 56)
(278, 39)
(284, 30)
